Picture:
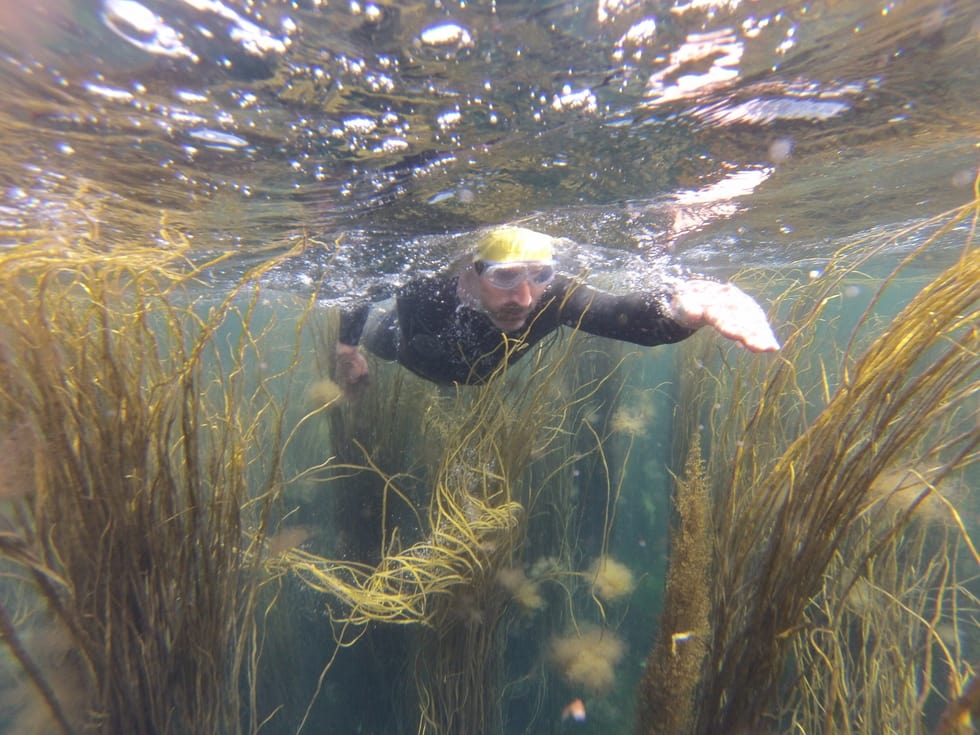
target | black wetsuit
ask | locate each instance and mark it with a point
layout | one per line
(433, 334)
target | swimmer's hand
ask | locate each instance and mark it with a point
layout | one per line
(351, 371)
(735, 314)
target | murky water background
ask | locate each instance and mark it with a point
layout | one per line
(722, 132)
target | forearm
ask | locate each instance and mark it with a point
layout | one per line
(352, 321)
(640, 318)
(673, 313)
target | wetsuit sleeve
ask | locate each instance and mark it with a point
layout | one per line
(352, 320)
(640, 318)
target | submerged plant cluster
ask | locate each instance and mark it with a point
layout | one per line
(200, 533)
(136, 493)
(842, 594)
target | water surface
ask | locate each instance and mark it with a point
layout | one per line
(720, 133)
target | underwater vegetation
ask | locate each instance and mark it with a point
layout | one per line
(486, 471)
(840, 593)
(588, 658)
(525, 592)
(666, 696)
(198, 533)
(136, 495)
(611, 579)
(812, 490)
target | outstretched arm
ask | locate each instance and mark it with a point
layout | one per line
(697, 303)
(671, 313)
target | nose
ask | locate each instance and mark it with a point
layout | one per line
(521, 294)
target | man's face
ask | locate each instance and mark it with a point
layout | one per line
(509, 308)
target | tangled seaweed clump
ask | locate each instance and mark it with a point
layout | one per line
(611, 579)
(633, 418)
(524, 591)
(587, 658)
(323, 393)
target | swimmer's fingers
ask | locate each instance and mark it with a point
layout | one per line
(351, 372)
(731, 311)
(750, 329)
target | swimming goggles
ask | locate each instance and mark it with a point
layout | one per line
(511, 275)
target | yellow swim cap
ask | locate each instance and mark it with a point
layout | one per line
(507, 244)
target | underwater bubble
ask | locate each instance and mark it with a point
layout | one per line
(370, 11)
(442, 196)
(185, 117)
(464, 196)
(141, 27)
(360, 124)
(448, 119)
(251, 37)
(392, 145)
(583, 99)
(446, 39)
(255, 39)
(190, 97)
(110, 93)
(963, 178)
(379, 83)
(780, 149)
(218, 139)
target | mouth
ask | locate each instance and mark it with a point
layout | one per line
(512, 317)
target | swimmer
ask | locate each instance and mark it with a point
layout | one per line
(456, 327)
